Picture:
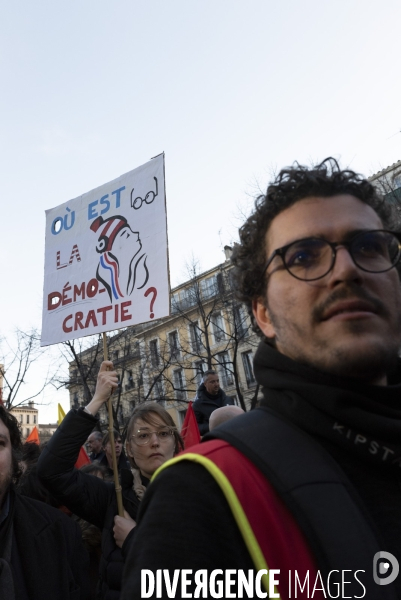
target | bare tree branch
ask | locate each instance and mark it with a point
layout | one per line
(18, 357)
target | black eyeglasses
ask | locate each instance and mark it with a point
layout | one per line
(312, 258)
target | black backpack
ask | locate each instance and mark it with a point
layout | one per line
(313, 487)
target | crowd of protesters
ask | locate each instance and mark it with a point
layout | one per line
(308, 481)
(87, 495)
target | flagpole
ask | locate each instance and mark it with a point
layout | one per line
(111, 438)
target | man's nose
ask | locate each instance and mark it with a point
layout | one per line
(344, 268)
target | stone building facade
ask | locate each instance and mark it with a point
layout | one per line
(164, 360)
(27, 416)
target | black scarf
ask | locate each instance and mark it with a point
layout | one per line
(362, 419)
(357, 423)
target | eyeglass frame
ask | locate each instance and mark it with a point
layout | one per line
(171, 430)
(334, 246)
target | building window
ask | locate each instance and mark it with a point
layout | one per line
(21, 419)
(34, 419)
(181, 301)
(179, 385)
(175, 302)
(247, 362)
(27, 419)
(195, 336)
(75, 400)
(218, 327)
(199, 368)
(130, 381)
(28, 431)
(174, 345)
(154, 353)
(225, 369)
(137, 349)
(188, 298)
(209, 287)
(181, 416)
(158, 388)
(240, 324)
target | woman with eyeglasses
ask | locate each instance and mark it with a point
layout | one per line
(152, 439)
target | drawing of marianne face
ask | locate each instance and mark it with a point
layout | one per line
(122, 263)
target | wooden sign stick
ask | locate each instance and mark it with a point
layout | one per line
(111, 438)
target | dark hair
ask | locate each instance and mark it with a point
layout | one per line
(30, 452)
(106, 437)
(94, 468)
(291, 185)
(15, 438)
(147, 412)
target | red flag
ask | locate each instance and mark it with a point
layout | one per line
(190, 430)
(83, 458)
(33, 437)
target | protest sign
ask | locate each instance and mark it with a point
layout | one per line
(106, 262)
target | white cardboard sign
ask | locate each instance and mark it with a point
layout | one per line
(106, 261)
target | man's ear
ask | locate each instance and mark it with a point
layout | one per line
(262, 317)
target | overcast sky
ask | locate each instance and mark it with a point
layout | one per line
(230, 91)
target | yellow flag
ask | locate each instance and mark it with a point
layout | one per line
(61, 414)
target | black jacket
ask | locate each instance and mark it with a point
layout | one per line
(122, 464)
(88, 497)
(48, 558)
(206, 403)
(99, 456)
(359, 425)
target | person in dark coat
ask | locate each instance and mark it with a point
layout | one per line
(28, 484)
(41, 551)
(94, 444)
(107, 460)
(209, 397)
(151, 440)
(318, 264)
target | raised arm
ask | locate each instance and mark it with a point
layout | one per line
(85, 495)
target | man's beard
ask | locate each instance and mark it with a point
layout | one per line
(332, 356)
(371, 366)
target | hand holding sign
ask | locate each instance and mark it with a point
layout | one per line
(107, 382)
(117, 248)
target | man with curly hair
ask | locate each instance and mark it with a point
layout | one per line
(41, 552)
(308, 483)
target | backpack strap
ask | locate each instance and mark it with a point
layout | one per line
(315, 490)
